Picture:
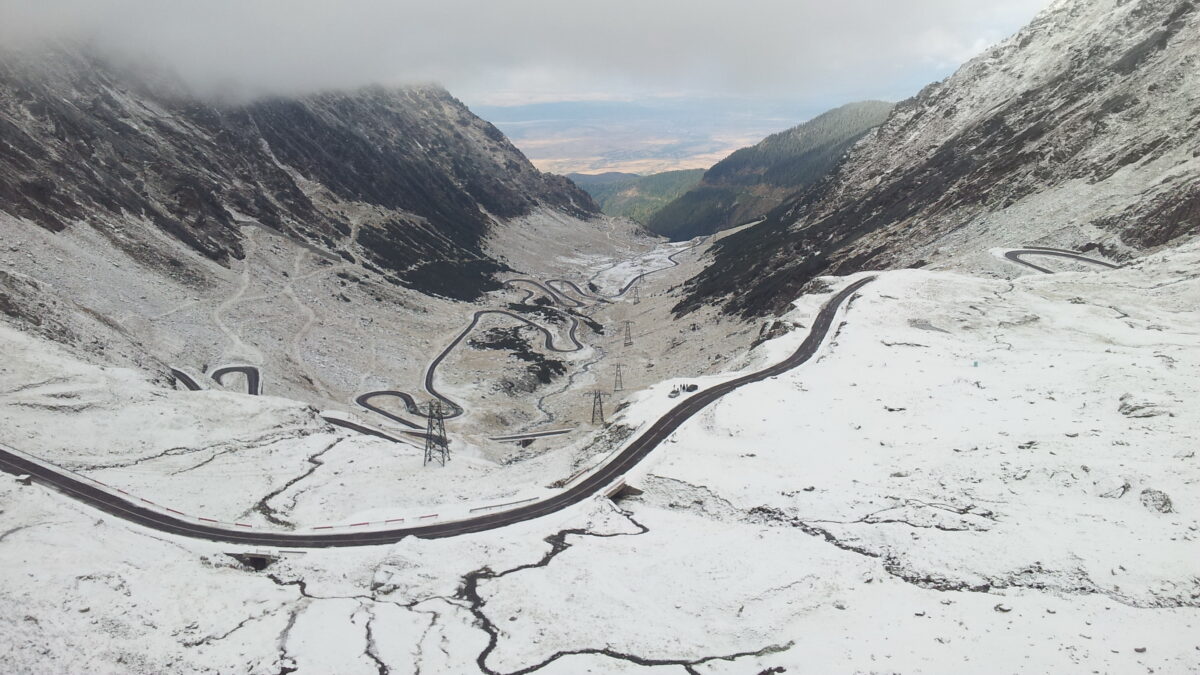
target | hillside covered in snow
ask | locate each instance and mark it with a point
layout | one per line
(1079, 131)
(341, 384)
(972, 472)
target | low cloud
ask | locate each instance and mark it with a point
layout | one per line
(503, 50)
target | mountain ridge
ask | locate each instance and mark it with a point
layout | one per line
(751, 181)
(425, 178)
(634, 196)
(1079, 131)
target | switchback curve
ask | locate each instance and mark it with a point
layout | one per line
(632, 282)
(453, 408)
(1017, 255)
(252, 373)
(172, 522)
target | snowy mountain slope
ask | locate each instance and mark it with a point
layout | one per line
(1079, 131)
(322, 331)
(930, 495)
(982, 470)
(407, 180)
(145, 228)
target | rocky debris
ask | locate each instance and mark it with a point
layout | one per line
(1117, 492)
(771, 330)
(1157, 500)
(1136, 406)
(923, 324)
(539, 371)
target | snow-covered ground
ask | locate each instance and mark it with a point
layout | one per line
(975, 475)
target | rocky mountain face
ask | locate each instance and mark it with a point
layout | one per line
(1082, 130)
(407, 181)
(752, 181)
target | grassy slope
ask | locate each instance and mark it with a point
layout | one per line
(637, 197)
(754, 180)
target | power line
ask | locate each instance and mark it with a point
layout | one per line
(597, 406)
(437, 447)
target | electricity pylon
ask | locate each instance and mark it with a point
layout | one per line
(636, 297)
(628, 333)
(597, 406)
(618, 382)
(436, 445)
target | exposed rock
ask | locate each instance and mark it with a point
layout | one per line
(771, 330)
(1156, 500)
(1116, 492)
(1132, 406)
(540, 371)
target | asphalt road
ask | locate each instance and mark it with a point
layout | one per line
(82, 490)
(453, 409)
(632, 282)
(555, 295)
(1017, 255)
(578, 291)
(186, 380)
(409, 404)
(253, 377)
(367, 430)
(531, 435)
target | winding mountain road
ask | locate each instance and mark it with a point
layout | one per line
(454, 409)
(555, 295)
(253, 377)
(604, 478)
(576, 289)
(546, 289)
(410, 405)
(1018, 255)
(186, 379)
(632, 282)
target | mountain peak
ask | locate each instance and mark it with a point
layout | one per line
(1078, 130)
(89, 141)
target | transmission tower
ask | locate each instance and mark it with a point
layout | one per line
(437, 448)
(597, 406)
(618, 383)
(636, 297)
(628, 333)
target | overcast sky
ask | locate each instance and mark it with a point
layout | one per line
(518, 51)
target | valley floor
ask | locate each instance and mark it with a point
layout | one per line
(974, 475)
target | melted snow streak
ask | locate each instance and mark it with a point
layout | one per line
(468, 591)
